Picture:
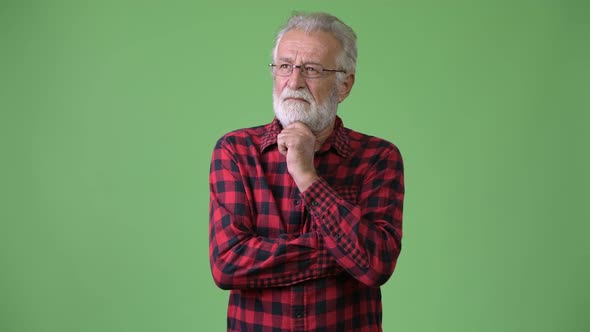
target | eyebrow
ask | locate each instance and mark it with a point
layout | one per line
(286, 59)
(290, 60)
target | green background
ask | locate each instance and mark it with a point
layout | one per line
(110, 110)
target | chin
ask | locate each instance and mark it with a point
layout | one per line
(315, 123)
(316, 117)
(288, 113)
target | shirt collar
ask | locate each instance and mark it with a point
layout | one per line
(338, 140)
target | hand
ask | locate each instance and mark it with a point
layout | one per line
(298, 144)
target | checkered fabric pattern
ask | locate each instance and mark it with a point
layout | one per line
(311, 261)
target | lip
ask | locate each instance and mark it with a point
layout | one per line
(295, 99)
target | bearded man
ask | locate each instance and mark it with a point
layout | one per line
(305, 214)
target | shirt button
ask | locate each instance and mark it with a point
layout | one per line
(297, 202)
(314, 203)
(338, 236)
(298, 314)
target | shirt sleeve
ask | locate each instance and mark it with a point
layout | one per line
(363, 237)
(240, 258)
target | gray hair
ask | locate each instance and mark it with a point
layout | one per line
(328, 23)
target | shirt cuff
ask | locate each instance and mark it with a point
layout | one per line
(319, 198)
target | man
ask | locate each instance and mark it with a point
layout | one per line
(305, 214)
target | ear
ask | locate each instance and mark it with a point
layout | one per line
(345, 87)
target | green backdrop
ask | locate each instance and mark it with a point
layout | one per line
(110, 110)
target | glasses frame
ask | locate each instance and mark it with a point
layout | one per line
(272, 67)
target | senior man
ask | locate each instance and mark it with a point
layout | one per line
(306, 214)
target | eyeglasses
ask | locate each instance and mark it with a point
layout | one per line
(308, 70)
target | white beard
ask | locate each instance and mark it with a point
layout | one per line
(316, 117)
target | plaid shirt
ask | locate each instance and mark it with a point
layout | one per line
(310, 261)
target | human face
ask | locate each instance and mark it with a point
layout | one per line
(311, 101)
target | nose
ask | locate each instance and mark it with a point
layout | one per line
(296, 80)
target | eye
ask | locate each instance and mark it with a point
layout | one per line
(284, 66)
(311, 69)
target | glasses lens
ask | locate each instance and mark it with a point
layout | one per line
(283, 69)
(311, 70)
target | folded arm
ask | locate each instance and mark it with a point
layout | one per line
(364, 237)
(239, 257)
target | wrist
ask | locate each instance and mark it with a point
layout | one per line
(304, 181)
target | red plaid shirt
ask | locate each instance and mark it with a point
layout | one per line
(310, 261)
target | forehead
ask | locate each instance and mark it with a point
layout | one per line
(316, 46)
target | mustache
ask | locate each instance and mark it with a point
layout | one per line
(303, 94)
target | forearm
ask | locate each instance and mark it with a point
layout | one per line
(364, 237)
(254, 262)
(241, 258)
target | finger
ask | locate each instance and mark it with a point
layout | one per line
(281, 144)
(299, 126)
(283, 148)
